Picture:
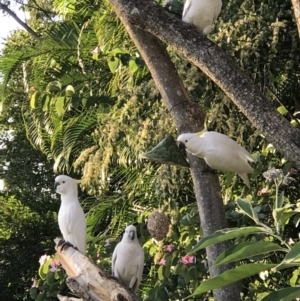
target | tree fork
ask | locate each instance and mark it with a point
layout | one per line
(87, 280)
(188, 117)
(220, 67)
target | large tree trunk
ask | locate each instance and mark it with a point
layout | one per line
(188, 117)
(296, 7)
(214, 62)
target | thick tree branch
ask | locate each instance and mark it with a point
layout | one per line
(188, 117)
(24, 25)
(216, 64)
(87, 280)
(296, 7)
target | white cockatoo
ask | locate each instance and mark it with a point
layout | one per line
(71, 219)
(201, 13)
(219, 152)
(128, 260)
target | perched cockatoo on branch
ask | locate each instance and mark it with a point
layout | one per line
(128, 260)
(201, 13)
(219, 152)
(71, 219)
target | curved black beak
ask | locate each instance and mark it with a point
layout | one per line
(55, 185)
(180, 145)
(131, 234)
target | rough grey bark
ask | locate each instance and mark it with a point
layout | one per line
(216, 64)
(188, 117)
(296, 7)
(24, 25)
(87, 280)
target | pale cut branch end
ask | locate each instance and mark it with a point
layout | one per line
(87, 280)
(64, 298)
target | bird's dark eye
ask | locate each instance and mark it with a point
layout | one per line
(63, 181)
(185, 141)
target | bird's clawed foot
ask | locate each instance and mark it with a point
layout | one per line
(64, 243)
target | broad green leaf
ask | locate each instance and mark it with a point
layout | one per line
(133, 66)
(160, 273)
(46, 102)
(59, 105)
(294, 122)
(285, 216)
(191, 274)
(50, 277)
(231, 276)
(246, 206)
(113, 63)
(119, 51)
(281, 199)
(34, 99)
(295, 277)
(296, 220)
(282, 110)
(53, 86)
(41, 297)
(285, 294)
(293, 256)
(46, 265)
(33, 292)
(245, 250)
(54, 289)
(225, 234)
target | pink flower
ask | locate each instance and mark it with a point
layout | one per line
(187, 259)
(107, 242)
(43, 259)
(34, 283)
(54, 265)
(162, 262)
(95, 51)
(98, 255)
(169, 248)
(263, 191)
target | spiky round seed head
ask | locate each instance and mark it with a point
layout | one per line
(158, 225)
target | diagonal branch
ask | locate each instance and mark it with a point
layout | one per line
(216, 64)
(296, 7)
(188, 117)
(23, 24)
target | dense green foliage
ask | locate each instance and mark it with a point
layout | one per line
(28, 207)
(98, 131)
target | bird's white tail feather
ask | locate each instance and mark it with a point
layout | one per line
(245, 178)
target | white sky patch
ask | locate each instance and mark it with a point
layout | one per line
(8, 23)
(2, 186)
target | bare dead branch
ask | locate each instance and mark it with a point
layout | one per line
(87, 280)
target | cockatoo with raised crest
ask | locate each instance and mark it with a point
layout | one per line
(219, 152)
(71, 219)
(201, 13)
